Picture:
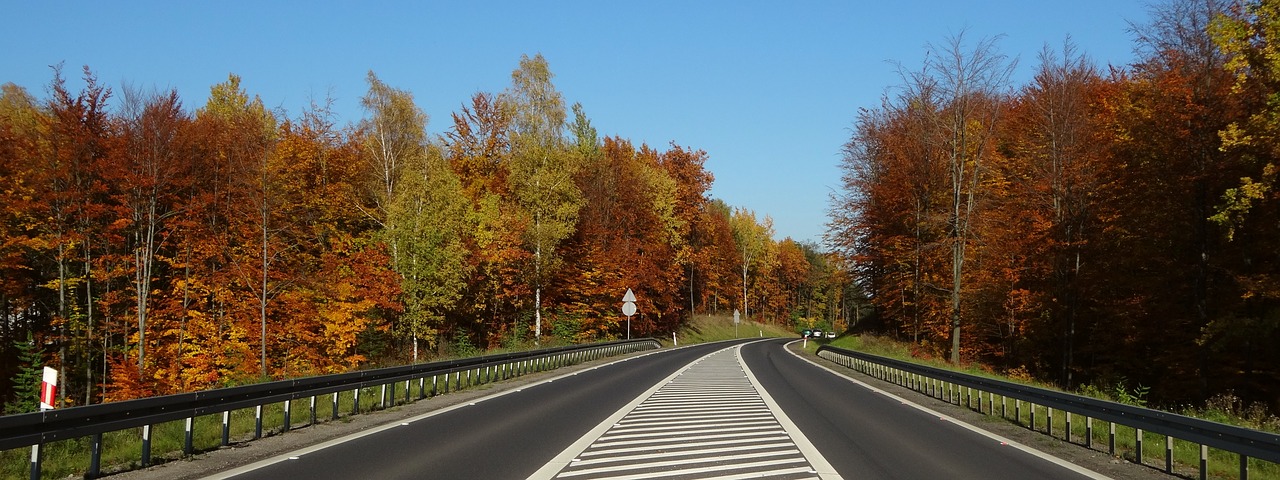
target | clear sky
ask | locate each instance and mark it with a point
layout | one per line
(769, 89)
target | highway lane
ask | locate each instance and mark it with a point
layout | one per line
(869, 435)
(507, 436)
(861, 433)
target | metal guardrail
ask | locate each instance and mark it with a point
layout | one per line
(932, 381)
(34, 429)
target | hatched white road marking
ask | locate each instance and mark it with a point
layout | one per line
(710, 420)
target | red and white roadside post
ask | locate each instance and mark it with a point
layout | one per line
(48, 397)
(48, 389)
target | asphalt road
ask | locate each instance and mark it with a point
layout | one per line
(861, 432)
(507, 437)
(865, 434)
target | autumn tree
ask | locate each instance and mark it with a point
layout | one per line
(1166, 118)
(685, 167)
(22, 246)
(752, 238)
(714, 255)
(970, 87)
(478, 150)
(149, 179)
(76, 135)
(541, 169)
(431, 215)
(393, 135)
(254, 240)
(1247, 208)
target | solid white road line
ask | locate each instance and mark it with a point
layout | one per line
(824, 469)
(1004, 441)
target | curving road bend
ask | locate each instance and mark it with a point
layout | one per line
(746, 409)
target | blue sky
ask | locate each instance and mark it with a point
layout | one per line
(769, 89)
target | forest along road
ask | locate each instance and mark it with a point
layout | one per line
(723, 410)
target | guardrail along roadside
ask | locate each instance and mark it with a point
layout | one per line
(92, 421)
(947, 385)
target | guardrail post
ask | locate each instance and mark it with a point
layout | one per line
(188, 440)
(146, 445)
(1088, 431)
(288, 406)
(313, 410)
(1049, 424)
(1033, 416)
(95, 457)
(408, 390)
(257, 422)
(1111, 442)
(434, 380)
(335, 405)
(383, 401)
(1204, 462)
(35, 462)
(422, 388)
(355, 401)
(1244, 467)
(1137, 439)
(457, 378)
(1068, 412)
(1017, 410)
(226, 428)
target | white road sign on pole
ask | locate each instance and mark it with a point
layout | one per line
(629, 309)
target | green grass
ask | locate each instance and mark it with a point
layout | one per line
(1186, 455)
(714, 328)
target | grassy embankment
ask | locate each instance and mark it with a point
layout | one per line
(712, 328)
(1224, 409)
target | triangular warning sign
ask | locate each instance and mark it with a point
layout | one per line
(629, 297)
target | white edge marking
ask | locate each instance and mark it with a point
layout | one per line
(820, 464)
(567, 456)
(394, 423)
(1004, 441)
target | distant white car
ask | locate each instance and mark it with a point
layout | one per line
(831, 334)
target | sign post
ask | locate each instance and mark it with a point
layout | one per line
(629, 309)
(48, 389)
(48, 394)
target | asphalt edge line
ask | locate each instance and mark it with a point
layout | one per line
(824, 469)
(566, 456)
(967, 426)
(241, 470)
